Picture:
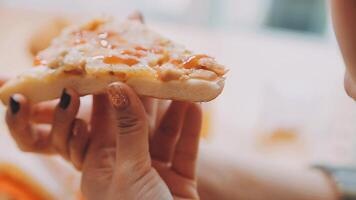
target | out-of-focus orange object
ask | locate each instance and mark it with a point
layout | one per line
(283, 135)
(206, 123)
(15, 184)
(280, 136)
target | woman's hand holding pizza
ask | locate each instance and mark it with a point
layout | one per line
(115, 151)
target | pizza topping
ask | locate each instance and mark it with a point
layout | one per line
(74, 65)
(103, 35)
(170, 73)
(39, 61)
(79, 41)
(118, 39)
(193, 61)
(157, 50)
(137, 54)
(55, 63)
(203, 74)
(164, 59)
(99, 44)
(93, 25)
(176, 62)
(112, 60)
(113, 46)
(98, 57)
(74, 71)
(210, 64)
(107, 40)
(164, 42)
(79, 37)
(104, 43)
(139, 48)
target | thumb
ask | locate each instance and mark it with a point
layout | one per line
(132, 125)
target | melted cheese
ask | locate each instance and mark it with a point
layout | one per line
(125, 47)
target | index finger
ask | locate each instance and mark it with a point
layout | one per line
(28, 137)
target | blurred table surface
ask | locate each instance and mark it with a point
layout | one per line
(283, 102)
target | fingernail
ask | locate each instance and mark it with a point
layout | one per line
(118, 96)
(65, 100)
(14, 105)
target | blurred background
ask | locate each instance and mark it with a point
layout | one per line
(283, 102)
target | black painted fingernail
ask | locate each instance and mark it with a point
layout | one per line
(14, 105)
(65, 100)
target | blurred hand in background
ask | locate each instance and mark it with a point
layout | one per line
(344, 17)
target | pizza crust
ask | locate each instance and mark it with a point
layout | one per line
(37, 88)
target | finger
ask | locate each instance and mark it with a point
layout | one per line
(64, 116)
(344, 11)
(350, 86)
(185, 156)
(162, 107)
(43, 112)
(27, 137)
(150, 104)
(101, 123)
(132, 125)
(78, 143)
(164, 140)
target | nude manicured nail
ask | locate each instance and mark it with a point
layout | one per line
(118, 96)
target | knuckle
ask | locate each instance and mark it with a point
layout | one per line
(106, 155)
(127, 121)
(131, 123)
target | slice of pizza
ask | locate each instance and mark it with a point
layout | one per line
(89, 57)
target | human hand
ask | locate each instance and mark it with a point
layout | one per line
(344, 15)
(115, 159)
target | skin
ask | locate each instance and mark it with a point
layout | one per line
(236, 179)
(117, 154)
(344, 13)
